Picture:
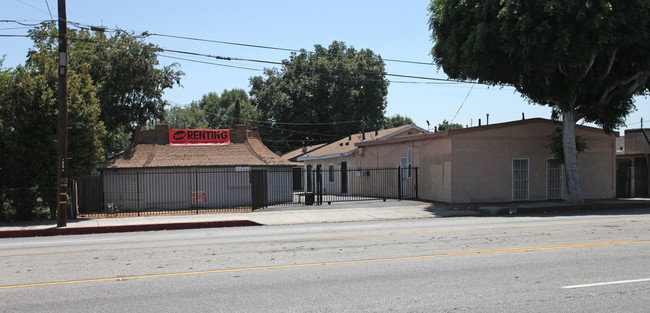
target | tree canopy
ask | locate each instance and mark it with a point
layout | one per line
(28, 126)
(232, 107)
(322, 95)
(114, 84)
(214, 111)
(187, 117)
(124, 69)
(395, 121)
(585, 59)
(446, 125)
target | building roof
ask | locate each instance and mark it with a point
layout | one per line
(151, 149)
(346, 146)
(293, 155)
(450, 133)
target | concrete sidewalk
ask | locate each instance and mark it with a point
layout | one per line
(337, 212)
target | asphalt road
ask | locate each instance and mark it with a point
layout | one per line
(580, 263)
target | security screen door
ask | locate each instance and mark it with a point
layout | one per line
(553, 179)
(519, 179)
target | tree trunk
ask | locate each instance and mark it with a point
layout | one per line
(570, 156)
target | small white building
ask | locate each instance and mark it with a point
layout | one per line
(152, 174)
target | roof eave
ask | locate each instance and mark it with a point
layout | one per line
(328, 156)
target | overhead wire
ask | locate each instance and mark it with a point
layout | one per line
(210, 63)
(33, 7)
(48, 9)
(298, 65)
(461, 105)
(144, 35)
(269, 47)
(432, 80)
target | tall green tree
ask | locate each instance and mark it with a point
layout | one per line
(584, 59)
(6, 82)
(316, 97)
(395, 121)
(29, 110)
(188, 117)
(446, 125)
(232, 107)
(125, 70)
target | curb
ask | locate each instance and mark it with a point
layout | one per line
(55, 231)
(573, 208)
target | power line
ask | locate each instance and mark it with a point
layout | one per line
(145, 34)
(33, 7)
(438, 80)
(211, 63)
(461, 105)
(287, 123)
(268, 47)
(23, 23)
(297, 65)
(48, 9)
(446, 83)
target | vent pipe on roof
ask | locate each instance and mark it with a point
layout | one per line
(435, 129)
(349, 137)
(376, 133)
(479, 122)
(487, 119)
(522, 116)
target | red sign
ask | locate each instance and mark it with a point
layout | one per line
(198, 197)
(199, 137)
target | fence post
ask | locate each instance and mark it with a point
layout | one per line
(417, 196)
(319, 183)
(196, 186)
(399, 183)
(137, 191)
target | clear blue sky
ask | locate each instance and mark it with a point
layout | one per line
(394, 30)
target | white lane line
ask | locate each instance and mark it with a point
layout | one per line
(608, 283)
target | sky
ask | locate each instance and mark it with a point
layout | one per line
(395, 30)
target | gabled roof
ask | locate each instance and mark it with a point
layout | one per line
(293, 155)
(151, 149)
(346, 146)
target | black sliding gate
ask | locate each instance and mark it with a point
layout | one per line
(185, 191)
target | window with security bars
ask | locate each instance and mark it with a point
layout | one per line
(519, 179)
(553, 179)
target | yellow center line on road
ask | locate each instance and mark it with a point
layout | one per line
(323, 237)
(460, 253)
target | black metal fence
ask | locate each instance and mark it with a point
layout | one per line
(202, 190)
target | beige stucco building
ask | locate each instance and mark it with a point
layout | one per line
(340, 161)
(496, 163)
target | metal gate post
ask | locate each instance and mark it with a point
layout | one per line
(196, 185)
(137, 190)
(399, 183)
(319, 184)
(417, 196)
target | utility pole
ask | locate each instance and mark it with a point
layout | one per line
(62, 153)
